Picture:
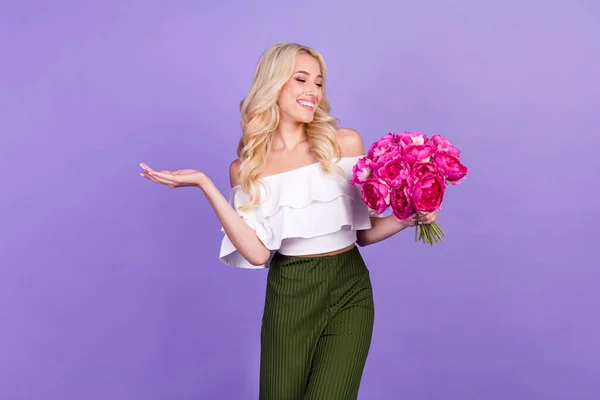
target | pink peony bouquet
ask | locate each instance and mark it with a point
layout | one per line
(408, 173)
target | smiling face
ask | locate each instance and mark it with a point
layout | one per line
(300, 95)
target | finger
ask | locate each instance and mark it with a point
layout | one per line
(429, 221)
(145, 167)
(164, 175)
(151, 178)
(167, 181)
(424, 216)
(148, 169)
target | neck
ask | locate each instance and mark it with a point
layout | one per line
(289, 135)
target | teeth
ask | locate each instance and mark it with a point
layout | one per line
(306, 103)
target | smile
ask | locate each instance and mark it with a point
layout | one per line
(307, 104)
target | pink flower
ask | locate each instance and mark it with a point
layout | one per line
(383, 145)
(440, 143)
(415, 153)
(361, 171)
(411, 138)
(401, 201)
(376, 195)
(450, 166)
(391, 167)
(423, 168)
(428, 192)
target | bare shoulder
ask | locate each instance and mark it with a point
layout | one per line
(234, 172)
(351, 142)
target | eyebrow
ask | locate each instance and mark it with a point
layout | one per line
(306, 73)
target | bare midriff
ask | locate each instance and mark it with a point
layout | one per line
(330, 253)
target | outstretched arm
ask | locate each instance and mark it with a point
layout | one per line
(241, 235)
(381, 227)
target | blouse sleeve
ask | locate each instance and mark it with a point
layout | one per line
(228, 254)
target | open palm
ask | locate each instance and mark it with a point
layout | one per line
(178, 178)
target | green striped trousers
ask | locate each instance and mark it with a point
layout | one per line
(316, 328)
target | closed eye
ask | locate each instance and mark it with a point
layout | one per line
(304, 81)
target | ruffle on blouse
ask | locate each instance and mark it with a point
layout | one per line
(302, 203)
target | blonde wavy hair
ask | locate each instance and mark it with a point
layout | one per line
(260, 117)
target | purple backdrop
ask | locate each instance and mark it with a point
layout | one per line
(110, 285)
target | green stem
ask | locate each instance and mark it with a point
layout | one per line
(426, 234)
(434, 235)
(439, 228)
(436, 228)
(429, 234)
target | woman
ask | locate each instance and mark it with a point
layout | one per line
(293, 210)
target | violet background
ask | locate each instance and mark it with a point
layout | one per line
(110, 285)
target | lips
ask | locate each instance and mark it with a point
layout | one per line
(308, 104)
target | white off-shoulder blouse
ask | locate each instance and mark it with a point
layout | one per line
(303, 211)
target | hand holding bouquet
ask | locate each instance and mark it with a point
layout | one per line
(409, 173)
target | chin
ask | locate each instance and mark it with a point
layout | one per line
(305, 117)
(301, 119)
(307, 120)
